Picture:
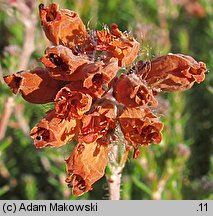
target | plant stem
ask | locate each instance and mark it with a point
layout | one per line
(4, 118)
(114, 183)
(114, 178)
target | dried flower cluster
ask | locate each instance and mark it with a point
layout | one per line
(91, 100)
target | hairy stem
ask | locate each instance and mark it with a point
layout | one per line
(116, 168)
(114, 178)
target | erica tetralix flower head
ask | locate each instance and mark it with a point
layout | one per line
(35, 86)
(62, 63)
(98, 123)
(98, 80)
(140, 127)
(53, 131)
(172, 72)
(93, 103)
(85, 166)
(118, 45)
(72, 103)
(62, 26)
(136, 93)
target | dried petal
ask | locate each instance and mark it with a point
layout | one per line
(62, 26)
(85, 166)
(118, 45)
(96, 77)
(62, 63)
(132, 92)
(172, 72)
(71, 103)
(35, 86)
(53, 131)
(98, 123)
(140, 127)
(98, 82)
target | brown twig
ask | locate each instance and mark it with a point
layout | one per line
(19, 113)
(1, 75)
(165, 41)
(29, 22)
(4, 172)
(8, 109)
(28, 46)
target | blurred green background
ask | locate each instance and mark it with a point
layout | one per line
(181, 167)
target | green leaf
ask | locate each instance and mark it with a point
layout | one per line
(142, 185)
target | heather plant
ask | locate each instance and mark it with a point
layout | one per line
(100, 49)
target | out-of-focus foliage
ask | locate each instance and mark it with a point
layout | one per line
(181, 167)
